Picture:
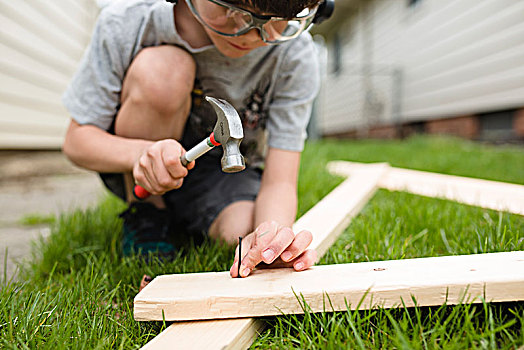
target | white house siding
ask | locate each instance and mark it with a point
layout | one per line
(457, 57)
(41, 43)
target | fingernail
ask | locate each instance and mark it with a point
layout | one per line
(147, 278)
(244, 271)
(299, 266)
(268, 255)
(286, 256)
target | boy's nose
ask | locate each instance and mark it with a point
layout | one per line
(253, 37)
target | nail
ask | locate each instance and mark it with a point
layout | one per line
(239, 255)
(286, 256)
(147, 278)
(299, 266)
(268, 255)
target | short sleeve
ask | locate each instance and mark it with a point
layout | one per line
(93, 95)
(297, 84)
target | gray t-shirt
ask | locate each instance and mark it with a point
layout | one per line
(271, 87)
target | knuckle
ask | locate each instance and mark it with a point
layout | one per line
(180, 172)
(252, 258)
(142, 162)
(248, 262)
(263, 229)
(157, 190)
(151, 152)
(171, 161)
(307, 236)
(287, 234)
(140, 178)
(164, 182)
(171, 145)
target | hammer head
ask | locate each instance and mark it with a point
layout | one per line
(229, 132)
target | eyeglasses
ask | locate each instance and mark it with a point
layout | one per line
(226, 19)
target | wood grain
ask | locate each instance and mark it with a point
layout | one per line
(494, 195)
(326, 220)
(430, 281)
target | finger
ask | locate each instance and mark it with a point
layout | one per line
(162, 177)
(265, 233)
(258, 241)
(302, 240)
(306, 260)
(278, 263)
(262, 236)
(171, 172)
(143, 177)
(280, 242)
(152, 182)
(171, 160)
(190, 165)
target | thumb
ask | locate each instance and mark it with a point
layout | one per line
(249, 261)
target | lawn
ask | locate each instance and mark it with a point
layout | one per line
(77, 292)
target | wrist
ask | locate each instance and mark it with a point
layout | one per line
(139, 147)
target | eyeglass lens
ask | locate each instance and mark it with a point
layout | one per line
(230, 21)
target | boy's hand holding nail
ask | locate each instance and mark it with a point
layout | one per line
(276, 246)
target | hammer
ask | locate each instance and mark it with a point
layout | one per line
(228, 132)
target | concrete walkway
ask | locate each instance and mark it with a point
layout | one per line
(38, 183)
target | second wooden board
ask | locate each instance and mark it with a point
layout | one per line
(483, 193)
(431, 281)
(326, 220)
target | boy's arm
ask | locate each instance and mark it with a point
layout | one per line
(95, 149)
(155, 164)
(277, 198)
(273, 241)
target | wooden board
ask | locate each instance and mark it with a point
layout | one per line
(236, 333)
(326, 220)
(483, 193)
(431, 281)
(333, 213)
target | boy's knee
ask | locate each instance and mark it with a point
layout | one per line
(235, 220)
(161, 77)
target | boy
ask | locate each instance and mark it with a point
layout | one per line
(137, 104)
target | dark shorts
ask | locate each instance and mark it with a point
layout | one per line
(206, 191)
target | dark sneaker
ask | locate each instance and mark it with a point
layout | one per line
(146, 230)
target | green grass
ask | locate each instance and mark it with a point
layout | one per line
(77, 292)
(37, 219)
(399, 226)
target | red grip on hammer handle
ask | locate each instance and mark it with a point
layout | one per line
(140, 193)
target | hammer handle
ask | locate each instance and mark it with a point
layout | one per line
(201, 148)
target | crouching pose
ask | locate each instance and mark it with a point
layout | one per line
(137, 103)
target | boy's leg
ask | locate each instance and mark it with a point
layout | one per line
(156, 99)
(235, 220)
(213, 203)
(155, 104)
(156, 94)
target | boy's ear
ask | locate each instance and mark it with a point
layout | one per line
(325, 10)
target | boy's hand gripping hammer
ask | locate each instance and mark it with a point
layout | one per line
(228, 132)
